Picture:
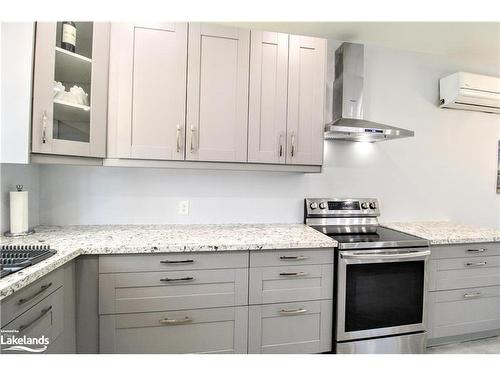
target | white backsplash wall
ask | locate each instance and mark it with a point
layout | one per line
(18, 174)
(447, 171)
(78, 195)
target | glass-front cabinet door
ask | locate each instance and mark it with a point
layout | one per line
(70, 88)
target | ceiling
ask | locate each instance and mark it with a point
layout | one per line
(474, 42)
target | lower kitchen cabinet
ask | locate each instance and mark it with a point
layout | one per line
(291, 283)
(464, 292)
(220, 330)
(298, 327)
(45, 308)
(172, 290)
(464, 311)
(46, 319)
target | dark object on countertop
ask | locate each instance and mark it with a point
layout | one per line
(17, 257)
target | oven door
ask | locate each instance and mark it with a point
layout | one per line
(381, 292)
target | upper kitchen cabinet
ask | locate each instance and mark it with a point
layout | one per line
(287, 91)
(306, 95)
(217, 93)
(147, 93)
(18, 41)
(268, 97)
(70, 88)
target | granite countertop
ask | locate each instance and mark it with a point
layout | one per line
(446, 232)
(72, 241)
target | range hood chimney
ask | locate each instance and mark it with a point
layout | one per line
(348, 123)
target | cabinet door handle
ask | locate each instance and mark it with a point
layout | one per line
(476, 264)
(292, 151)
(184, 320)
(293, 312)
(43, 288)
(298, 257)
(44, 127)
(176, 261)
(472, 295)
(178, 139)
(476, 250)
(188, 278)
(192, 148)
(280, 151)
(297, 274)
(30, 324)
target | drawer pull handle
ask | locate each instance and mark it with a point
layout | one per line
(30, 324)
(185, 320)
(476, 250)
(298, 274)
(299, 257)
(476, 264)
(189, 278)
(43, 288)
(293, 312)
(472, 295)
(177, 261)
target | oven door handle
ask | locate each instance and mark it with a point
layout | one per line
(378, 256)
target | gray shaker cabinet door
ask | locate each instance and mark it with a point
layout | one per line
(463, 311)
(45, 318)
(147, 94)
(222, 330)
(268, 97)
(293, 328)
(306, 95)
(61, 126)
(290, 283)
(217, 93)
(172, 290)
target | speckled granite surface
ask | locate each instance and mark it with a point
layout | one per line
(446, 232)
(72, 241)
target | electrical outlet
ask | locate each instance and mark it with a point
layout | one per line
(184, 208)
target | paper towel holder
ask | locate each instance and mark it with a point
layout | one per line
(28, 232)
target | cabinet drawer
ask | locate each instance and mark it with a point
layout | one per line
(222, 330)
(291, 283)
(291, 257)
(464, 311)
(294, 328)
(45, 318)
(468, 272)
(172, 290)
(172, 261)
(21, 301)
(467, 250)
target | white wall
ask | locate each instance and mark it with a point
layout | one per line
(447, 171)
(128, 195)
(18, 174)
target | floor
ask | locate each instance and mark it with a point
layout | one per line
(483, 346)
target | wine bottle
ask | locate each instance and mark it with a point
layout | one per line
(68, 36)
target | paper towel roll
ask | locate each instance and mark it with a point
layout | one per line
(18, 212)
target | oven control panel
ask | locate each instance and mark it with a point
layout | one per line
(329, 207)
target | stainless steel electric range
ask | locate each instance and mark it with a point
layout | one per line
(380, 283)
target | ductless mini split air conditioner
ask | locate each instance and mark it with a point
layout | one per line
(472, 92)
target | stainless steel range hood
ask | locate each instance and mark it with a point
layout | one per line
(348, 123)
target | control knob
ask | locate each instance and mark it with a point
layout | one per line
(364, 206)
(373, 205)
(322, 205)
(313, 205)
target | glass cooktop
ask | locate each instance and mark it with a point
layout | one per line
(381, 238)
